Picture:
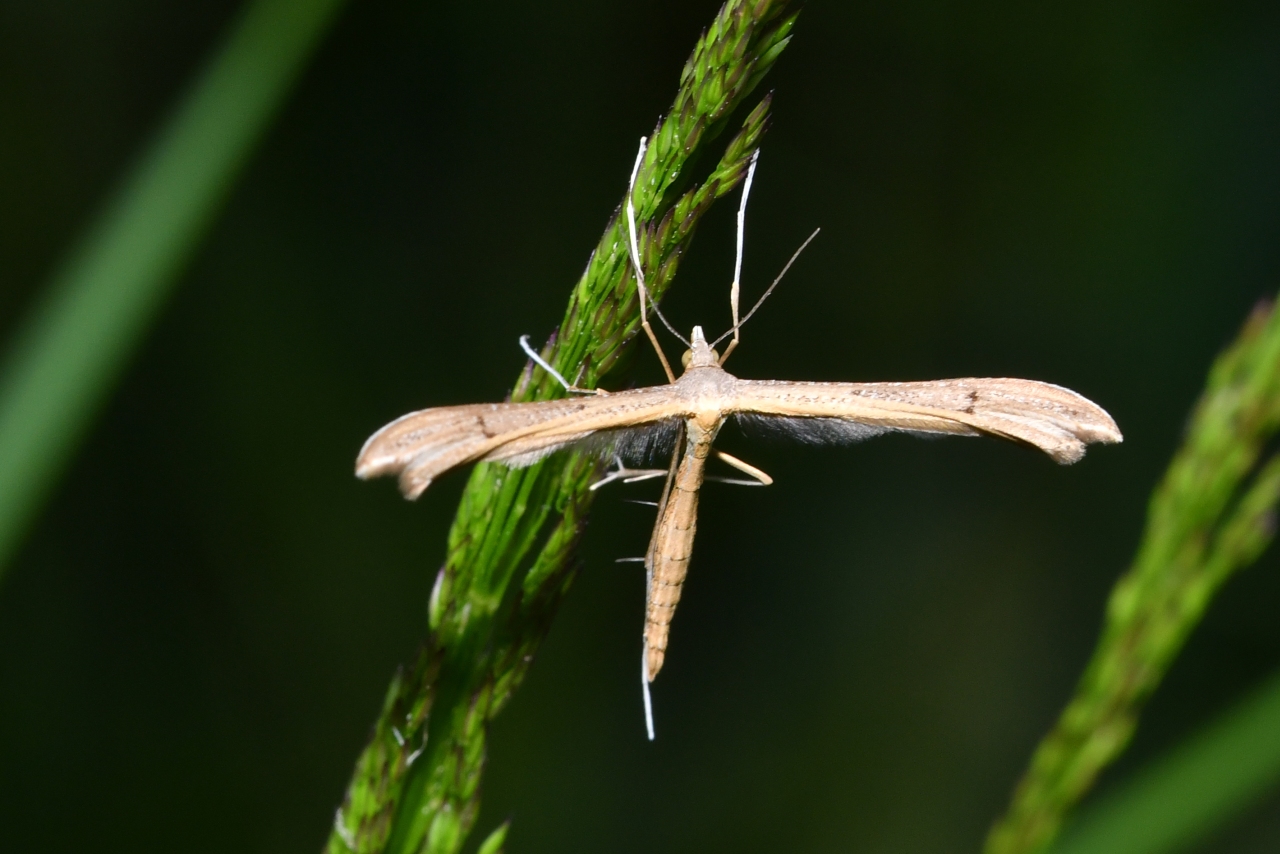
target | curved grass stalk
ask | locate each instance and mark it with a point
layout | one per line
(1213, 513)
(511, 549)
(1178, 801)
(84, 325)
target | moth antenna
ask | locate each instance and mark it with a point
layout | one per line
(643, 292)
(737, 260)
(667, 323)
(768, 291)
(635, 260)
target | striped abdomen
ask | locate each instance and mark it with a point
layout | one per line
(672, 546)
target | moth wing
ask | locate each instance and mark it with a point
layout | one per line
(1054, 419)
(421, 445)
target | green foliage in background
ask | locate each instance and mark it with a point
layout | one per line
(86, 323)
(416, 786)
(1180, 800)
(511, 550)
(1213, 513)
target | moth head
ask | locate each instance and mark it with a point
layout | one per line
(700, 354)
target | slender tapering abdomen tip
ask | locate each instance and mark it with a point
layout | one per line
(654, 659)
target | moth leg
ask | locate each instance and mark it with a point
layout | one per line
(737, 261)
(627, 475)
(634, 247)
(542, 363)
(644, 687)
(760, 478)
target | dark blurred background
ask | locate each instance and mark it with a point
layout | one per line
(198, 633)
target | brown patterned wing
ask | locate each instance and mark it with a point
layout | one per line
(421, 445)
(1054, 419)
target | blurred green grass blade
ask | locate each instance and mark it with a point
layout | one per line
(494, 842)
(1184, 797)
(1212, 515)
(82, 328)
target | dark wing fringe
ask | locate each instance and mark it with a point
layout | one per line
(636, 445)
(810, 431)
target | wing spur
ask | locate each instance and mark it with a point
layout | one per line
(1054, 419)
(422, 445)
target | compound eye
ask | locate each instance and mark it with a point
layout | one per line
(686, 358)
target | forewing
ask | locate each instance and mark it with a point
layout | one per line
(421, 445)
(1054, 419)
